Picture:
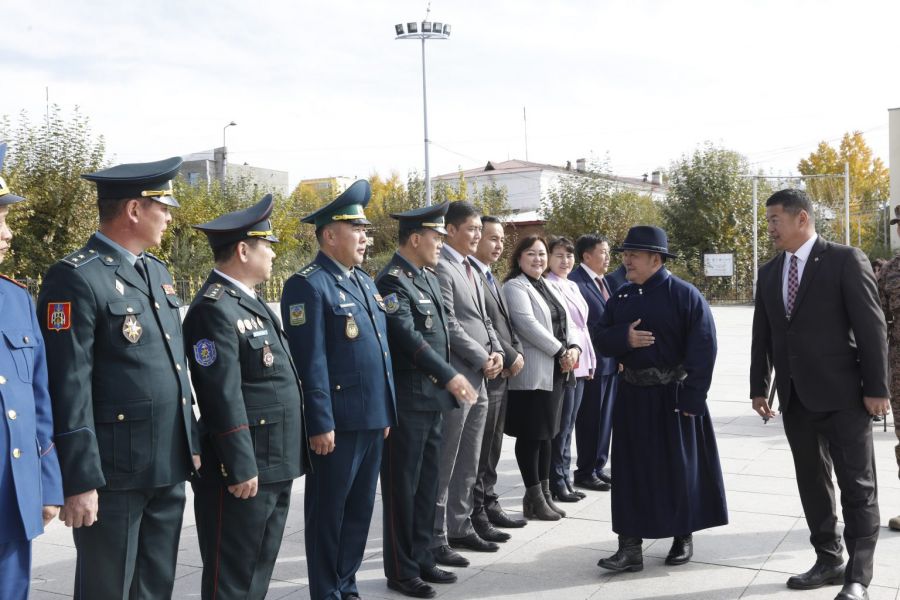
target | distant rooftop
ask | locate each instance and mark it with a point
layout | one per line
(514, 166)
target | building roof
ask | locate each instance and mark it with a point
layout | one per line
(516, 166)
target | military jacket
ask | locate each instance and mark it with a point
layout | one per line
(417, 334)
(338, 337)
(251, 406)
(889, 294)
(29, 470)
(117, 372)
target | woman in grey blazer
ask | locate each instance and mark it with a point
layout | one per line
(534, 404)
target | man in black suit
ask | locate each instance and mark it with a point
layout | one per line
(818, 322)
(487, 511)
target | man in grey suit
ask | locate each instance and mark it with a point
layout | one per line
(487, 511)
(476, 353)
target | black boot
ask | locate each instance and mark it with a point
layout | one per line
(534, 506)
(628, 557)
(545, 488)
(681, 551)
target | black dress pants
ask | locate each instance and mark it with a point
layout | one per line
(842, 440)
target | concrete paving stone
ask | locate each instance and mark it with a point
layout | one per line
(577, 583)
(765, 484)
(764, 504)
(693, 581)
(735, 446)
(774, 463)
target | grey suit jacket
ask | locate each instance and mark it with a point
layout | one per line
(530, 315)
(496, 310)
(472, 336)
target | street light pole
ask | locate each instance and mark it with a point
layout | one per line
(225, 150)
(429, 31)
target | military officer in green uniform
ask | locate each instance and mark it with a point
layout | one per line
(251, 415)
(426, 385)
(118, 377)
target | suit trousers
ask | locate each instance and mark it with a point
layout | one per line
(130, 552)
(340, 496)
(484, 496)
(15, 569)
(593, 426)
(239, 539)
(409, 487)
(843, 439)
(561, 448)
(463, 431)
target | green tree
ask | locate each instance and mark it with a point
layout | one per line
(45, 164)
(709, 208)
(594, 202)
(869, 190)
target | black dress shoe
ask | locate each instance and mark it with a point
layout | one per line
(350, 596)
(681, 551)
(592, 484)
(488, 532)
(498, 518)
(435, 574)
(853, 591)
(564, 495)
(820, 574)
(473, 542)
(572, 490)
(414, 587)
(444, 555)
(605, 476)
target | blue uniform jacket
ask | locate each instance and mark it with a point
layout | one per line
(338, 336)
(29, 468)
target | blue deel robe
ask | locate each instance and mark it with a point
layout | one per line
(666, 472)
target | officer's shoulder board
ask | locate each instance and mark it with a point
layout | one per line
(80, 258)
(395, 271)
(148, 255)
(430, 269)
(214, 292)
(308, 270)
(13, 281)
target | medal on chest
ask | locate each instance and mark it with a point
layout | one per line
(429, 322)
(351, 329)
(268, 358)
(132, 329)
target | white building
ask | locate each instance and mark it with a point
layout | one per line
(527, 183)
(212, 165)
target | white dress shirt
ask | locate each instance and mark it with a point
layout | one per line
(244, 288)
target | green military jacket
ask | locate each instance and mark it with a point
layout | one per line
(117, 372)
(417, 335)
(251, 403)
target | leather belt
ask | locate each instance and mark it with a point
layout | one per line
(653, 376)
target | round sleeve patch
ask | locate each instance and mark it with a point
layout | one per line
(205, 352)
(391, 303)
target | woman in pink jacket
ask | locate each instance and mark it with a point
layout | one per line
(561, 262)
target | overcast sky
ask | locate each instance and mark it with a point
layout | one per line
(323, 88)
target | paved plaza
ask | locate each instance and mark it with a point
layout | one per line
(765, 541)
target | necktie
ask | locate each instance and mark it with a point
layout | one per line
(141, 268)
(492, 281)
(602, 285)
(793, 285)
(470, 274)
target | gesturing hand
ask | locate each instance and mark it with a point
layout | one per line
(639, 339)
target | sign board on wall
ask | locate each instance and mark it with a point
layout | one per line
(718, 265)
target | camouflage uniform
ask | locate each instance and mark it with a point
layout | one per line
(889, 292)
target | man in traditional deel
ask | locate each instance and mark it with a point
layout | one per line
(251, 415)
(668, 477)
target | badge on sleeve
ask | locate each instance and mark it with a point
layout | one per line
(59, 316)
(298, 314)
(205, 352)
(132, 329)
(391, 303)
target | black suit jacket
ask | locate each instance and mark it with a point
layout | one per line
(833, 349)
(496, 311)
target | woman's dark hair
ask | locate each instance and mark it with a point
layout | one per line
(524, 244)
(565, 242)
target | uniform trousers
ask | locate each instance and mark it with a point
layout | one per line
(131, 551)
(841, 438)
(484, 496)
(593, 425)
(462, 433)
(409, 486)
(239, 539)
(340, 496)
(15, 569)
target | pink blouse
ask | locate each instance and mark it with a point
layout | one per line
(577, 310)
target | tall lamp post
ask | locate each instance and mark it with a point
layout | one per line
(225, 149)
(426, 30)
